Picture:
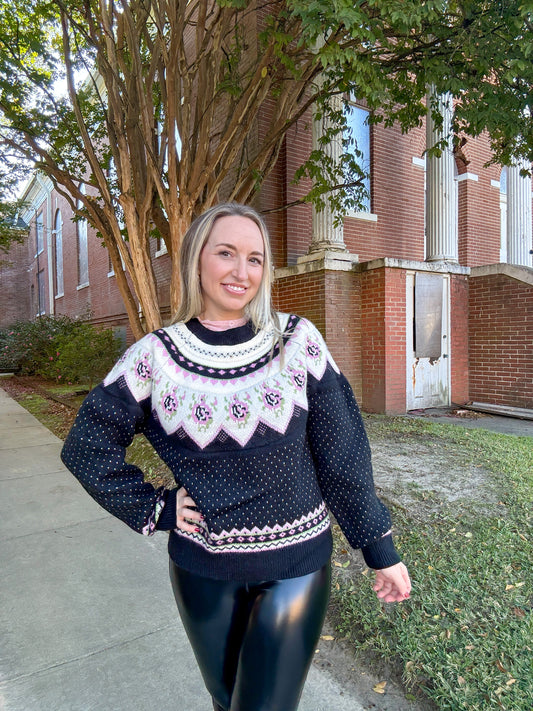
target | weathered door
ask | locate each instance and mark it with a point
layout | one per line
(428, 341)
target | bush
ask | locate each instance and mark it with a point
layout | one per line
(84, 356)
(27, 344)
(59, 348)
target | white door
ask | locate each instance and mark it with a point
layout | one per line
(428, 340)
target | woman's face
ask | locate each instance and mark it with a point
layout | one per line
(231, 267)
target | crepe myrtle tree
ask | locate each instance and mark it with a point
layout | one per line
(153, 104)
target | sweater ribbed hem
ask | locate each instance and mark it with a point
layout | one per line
(289, 562)
(381, 553)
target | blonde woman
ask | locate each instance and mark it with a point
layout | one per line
(263, 436)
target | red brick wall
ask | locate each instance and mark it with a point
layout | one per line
(397, 198)
(479, 207)
(343, 324)
(303, 294)
(373, 339)
(501, 341)
(14, 286)
(383, 319)
(101, 299)
(299, 226)
(459, 338)
(331, 300)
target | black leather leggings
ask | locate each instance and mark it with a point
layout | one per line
(253, 641)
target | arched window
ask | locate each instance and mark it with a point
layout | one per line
(83, 250)
(58, 253)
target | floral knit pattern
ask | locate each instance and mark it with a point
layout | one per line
(231, 398)
(262, 441)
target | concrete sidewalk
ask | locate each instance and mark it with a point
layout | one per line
(87, 617)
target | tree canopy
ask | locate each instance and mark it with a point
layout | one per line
(153, 104)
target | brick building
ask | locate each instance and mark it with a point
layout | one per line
(425, 297)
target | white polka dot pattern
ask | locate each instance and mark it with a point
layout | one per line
(259, 443)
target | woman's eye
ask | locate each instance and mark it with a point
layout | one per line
(225, 253)
(256, 260)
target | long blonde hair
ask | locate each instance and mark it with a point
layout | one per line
(260, 309)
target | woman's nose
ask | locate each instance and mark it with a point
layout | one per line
(241, 269)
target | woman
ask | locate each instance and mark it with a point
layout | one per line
(261, 431)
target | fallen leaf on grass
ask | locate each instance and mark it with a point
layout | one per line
(510, 681)
(518, 612)
(327, 637)
(500, 666)
(461, 680)
(380, 687)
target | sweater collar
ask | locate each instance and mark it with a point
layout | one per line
(229, 337)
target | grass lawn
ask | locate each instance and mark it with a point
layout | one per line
(466, 636)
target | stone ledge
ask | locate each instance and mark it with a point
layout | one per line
(513, 271)
(328, 260)
(412, 265)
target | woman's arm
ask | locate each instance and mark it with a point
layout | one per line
(95, 448)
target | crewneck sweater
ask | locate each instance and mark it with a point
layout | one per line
(264, 440)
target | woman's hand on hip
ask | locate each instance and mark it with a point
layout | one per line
(187, 517)
(393, 584)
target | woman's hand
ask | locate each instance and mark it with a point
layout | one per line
(186, 512)
(393, 583)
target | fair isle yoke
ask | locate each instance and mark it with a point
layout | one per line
(258, 440)
(203, 392)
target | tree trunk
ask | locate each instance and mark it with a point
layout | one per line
(178, 227)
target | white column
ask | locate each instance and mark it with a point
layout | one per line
(441, 188)
(519, 241)
(326, 236)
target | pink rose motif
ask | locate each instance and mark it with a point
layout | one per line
(298, 378)
(202, 413)
(169, 402)
(143, 369)
(238, 411)
(313, 349)
(272, 399)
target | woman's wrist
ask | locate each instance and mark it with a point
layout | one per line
(381, 553)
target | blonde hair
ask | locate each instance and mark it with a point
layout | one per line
(260, 309)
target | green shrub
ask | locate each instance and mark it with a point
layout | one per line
(59, 348)
(27, 344)
(84, 356)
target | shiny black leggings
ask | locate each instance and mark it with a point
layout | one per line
(253, 641)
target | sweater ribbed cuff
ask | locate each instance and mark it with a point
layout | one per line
(167, 519)
(381, 553)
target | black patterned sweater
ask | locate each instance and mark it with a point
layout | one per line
(262, 443)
